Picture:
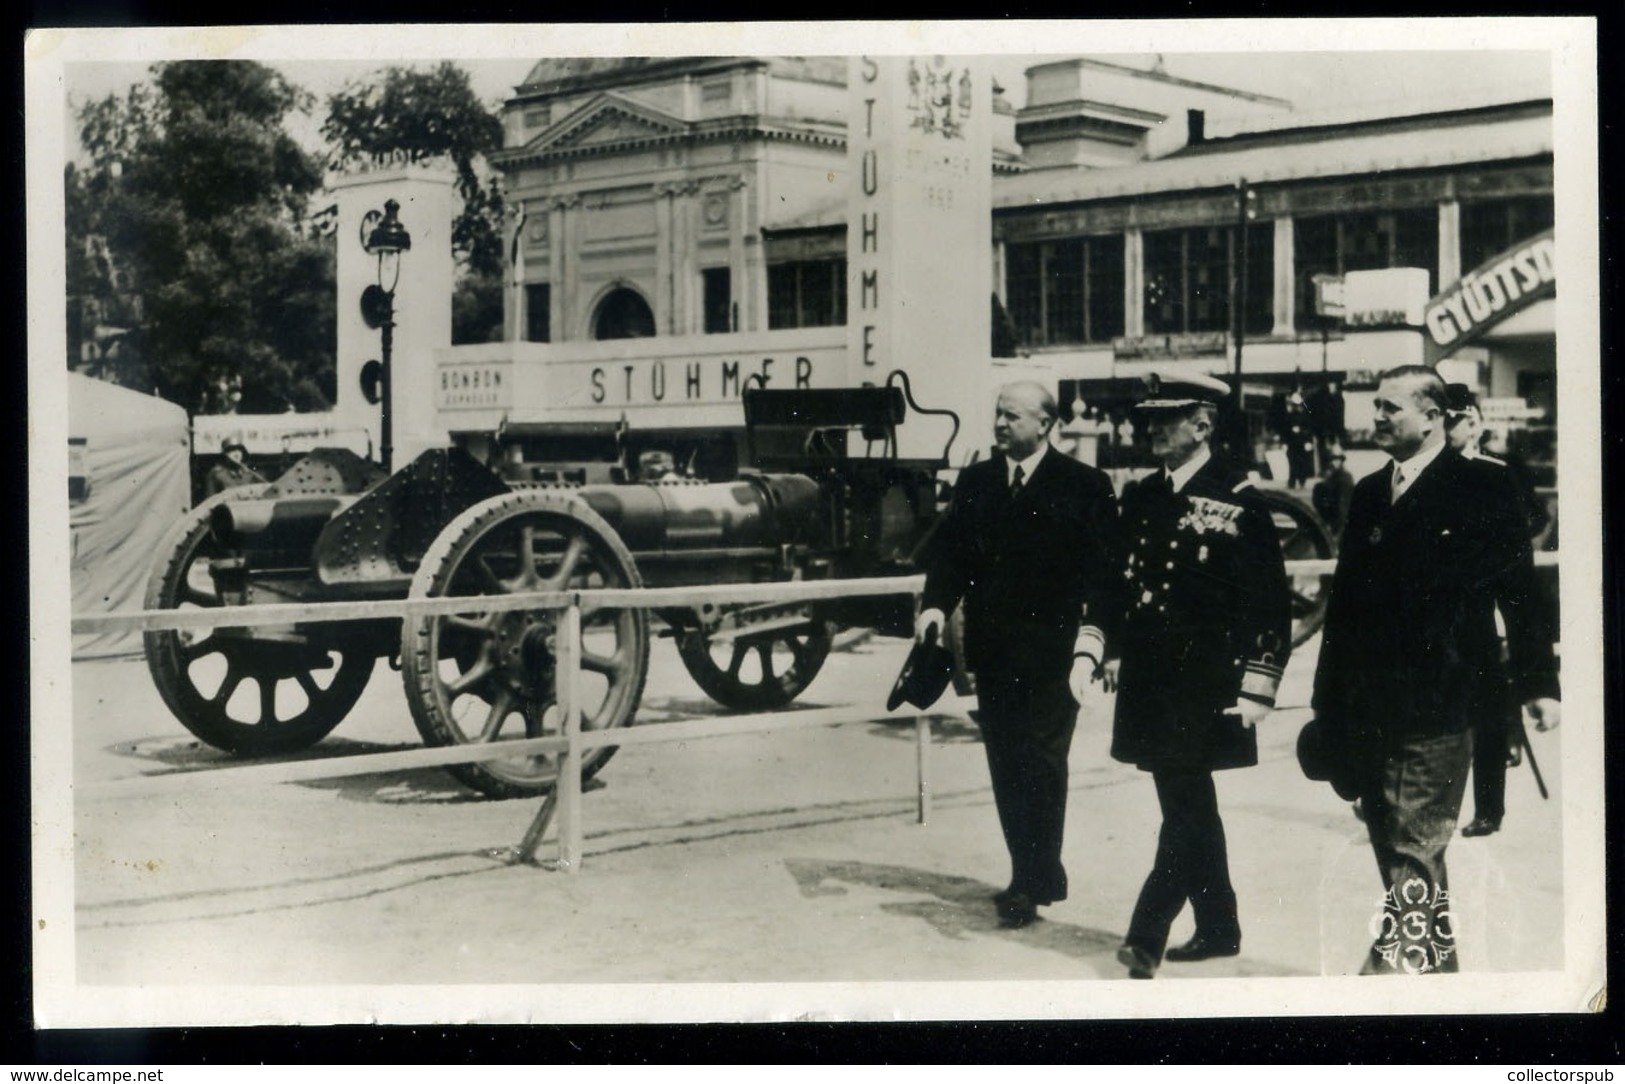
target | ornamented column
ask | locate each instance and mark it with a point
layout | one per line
(422, 302)
(919, 239)
(555, 272)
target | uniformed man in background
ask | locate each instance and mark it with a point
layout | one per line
(231, 471)
(1204, 636)
(1498, 727)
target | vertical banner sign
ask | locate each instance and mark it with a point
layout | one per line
(919, 240)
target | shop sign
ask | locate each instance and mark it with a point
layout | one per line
(1195, 344)
(484, 384)
(1496, 289)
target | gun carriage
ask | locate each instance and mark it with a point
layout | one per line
(826, 495)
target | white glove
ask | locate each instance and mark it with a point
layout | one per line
(1085, 673)
(1545, 711)
(1251, 711)
(1108, 674)
(928, 620)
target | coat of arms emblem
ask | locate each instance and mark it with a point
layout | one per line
(939, 97)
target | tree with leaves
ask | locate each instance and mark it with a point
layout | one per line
(188, 223)
(435, 113)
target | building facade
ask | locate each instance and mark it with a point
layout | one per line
(1139, 221)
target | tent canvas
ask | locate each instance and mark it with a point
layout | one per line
(133, 451)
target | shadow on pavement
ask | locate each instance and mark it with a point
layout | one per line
(962, 906)
(421, 786)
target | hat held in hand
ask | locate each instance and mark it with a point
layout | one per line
(1323, 759)
(925, 674)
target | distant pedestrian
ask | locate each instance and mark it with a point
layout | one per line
(1030, 546)
(230, 471)
(1204, 637)
(1408, 647)
(1333, 492)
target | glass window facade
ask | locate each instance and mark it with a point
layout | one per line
(716, 285)
(1188, 274)
(538, 313)
(1065, 291)
(806, 293)
(1493, 226)
(1366, 241)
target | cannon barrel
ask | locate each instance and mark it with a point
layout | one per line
(235, 519)
(755, 511)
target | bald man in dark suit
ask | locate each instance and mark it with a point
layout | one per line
(1029, 546)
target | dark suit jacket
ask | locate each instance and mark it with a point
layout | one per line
(1029, 569)
(1207, 614)
(1410, 637)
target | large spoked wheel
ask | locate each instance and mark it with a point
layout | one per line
(756, 671)
(248, 695)
(491, 676)
(1303, 536)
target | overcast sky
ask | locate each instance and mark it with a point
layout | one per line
(1324, 86)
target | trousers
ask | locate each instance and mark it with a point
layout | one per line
(1027, 726)
(1192, 864)
(1497, 722)
(1411, 804)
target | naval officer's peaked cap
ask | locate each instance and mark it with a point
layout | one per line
(1181, 391)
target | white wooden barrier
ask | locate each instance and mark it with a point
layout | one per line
(565, 798)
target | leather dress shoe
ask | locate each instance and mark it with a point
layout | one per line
(1017, 910)
(1138, 961)
(1481, 826)
(1201, 947)
(1005, 895)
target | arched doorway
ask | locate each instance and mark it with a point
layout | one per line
(623, 314)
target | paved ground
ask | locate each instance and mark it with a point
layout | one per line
(785, 857)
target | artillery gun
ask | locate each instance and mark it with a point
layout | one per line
(826, 496)
(479, 519)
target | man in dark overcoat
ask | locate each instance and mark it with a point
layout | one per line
(1434, 543)
(1203, 639)
(1498, 734)
(1029, 545)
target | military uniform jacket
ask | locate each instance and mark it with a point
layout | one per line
(1410, 635)
(1030, 568)
(1207, 618)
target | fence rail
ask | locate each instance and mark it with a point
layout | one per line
(565, 797)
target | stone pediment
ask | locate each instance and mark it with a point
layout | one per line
(607, 119)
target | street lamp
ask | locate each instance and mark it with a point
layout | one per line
(386, 239)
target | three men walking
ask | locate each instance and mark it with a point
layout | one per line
(1182, 605)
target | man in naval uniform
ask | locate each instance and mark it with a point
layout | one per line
(1030, 546)
(1202, 641)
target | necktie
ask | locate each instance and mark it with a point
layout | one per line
(1398, 484)
(1016, 480)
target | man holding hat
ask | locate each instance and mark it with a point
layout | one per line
(230, 471)
(1203, 639)
(1030, 546)
(1434, 543)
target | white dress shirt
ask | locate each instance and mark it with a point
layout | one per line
(1405, 473)
(1027, 466)
(1186, 470)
